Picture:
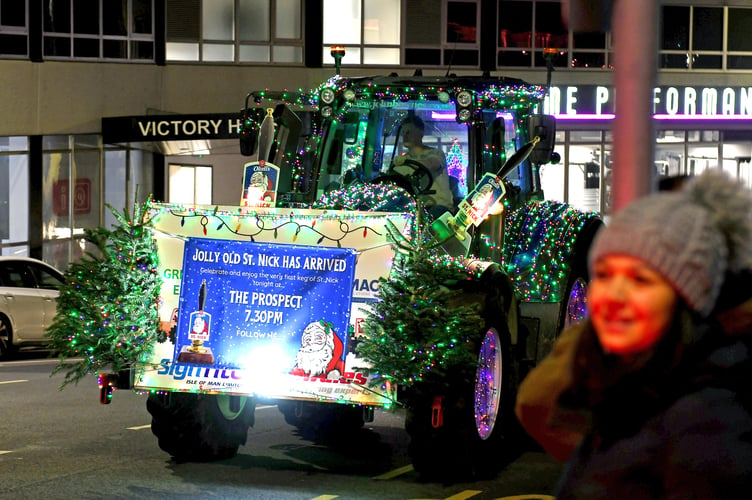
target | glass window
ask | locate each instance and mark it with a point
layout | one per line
(218, 20)
(552, 175)
(254, 53)
(284, 54)
(707, 28)
(13, 13)
(13, 28)
(190, 184)
(14, 180)
(381, 24)
(99, 29)
(675, 28)
(182, 51)
(288, 25)
(114, 180)
(526, 27)
(368, 29)
(253, 21)
(216, 52)
(251, 28)
(462, 22)
(584, 169)
(71, 202)
(739, 22)
(342, 22)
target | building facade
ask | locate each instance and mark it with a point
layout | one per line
(106, 98)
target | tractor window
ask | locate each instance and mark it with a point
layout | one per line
(500, 143)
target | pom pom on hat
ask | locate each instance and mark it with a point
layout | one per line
(691, 237)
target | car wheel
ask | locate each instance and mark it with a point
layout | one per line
(6, 338)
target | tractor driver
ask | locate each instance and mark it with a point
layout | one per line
(440, 200)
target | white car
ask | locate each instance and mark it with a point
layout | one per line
(28, 302)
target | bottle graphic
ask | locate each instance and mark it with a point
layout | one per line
(199, 332)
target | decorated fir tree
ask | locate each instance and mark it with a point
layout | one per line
(456, 164)
(107, 309)
(423, 327)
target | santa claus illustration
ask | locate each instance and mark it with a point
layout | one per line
(320, 353)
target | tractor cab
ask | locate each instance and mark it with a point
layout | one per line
(351, 130)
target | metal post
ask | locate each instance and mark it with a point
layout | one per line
(635, 31)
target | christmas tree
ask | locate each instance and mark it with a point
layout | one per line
(457, 165)
(107, 309)
(424, 326)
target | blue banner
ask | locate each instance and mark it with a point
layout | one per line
(263, 306)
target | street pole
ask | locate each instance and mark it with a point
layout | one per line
(635, 31)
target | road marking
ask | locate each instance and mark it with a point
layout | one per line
(12, 381)
(3, 452)
(266, 407)
(462, 495)
(325, 497)
(48, 361)
(394, 473)
(139, 427)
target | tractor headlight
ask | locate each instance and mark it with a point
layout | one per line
(327, 96)
(464, 99)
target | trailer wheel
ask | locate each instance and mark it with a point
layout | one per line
(463, 431)
(322, 421)
(200, 427)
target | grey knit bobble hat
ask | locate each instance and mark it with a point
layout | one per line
(691, 237)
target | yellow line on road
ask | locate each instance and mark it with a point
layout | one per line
(325, 497)
(139, 427)
(394, 473)
(3, 452)
(462, 495)
(12, 381)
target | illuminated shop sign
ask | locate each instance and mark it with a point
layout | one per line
(594, 101)
(170, 127)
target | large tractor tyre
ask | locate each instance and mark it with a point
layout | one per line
(467, 430)
(200, 427)
(322, 421)
(574, 307)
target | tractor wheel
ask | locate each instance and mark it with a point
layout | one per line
(466, 431)
(574, 307)
(200, 427)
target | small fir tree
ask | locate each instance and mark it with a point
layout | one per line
(107, 308)
(423, 327)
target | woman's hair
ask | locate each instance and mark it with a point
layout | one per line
(597, 372)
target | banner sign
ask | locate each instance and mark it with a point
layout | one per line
(244, 304)
(262, 301)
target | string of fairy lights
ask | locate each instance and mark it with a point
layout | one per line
(253, 223)
(539, 242)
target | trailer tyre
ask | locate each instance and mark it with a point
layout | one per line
(323, 422)
(200, 427)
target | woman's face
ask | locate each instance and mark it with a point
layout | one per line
(630, 304)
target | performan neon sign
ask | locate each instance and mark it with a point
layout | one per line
(700, 103)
